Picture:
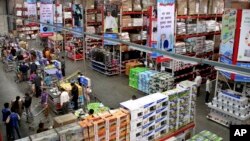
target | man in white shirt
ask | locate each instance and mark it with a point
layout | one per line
(198, 80)
(208, 89)
(64, 101)
(110, 23)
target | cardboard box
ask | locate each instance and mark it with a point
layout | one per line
(91, 18)
(182, 7)
(137, 5)
(203, 6)
(64, 120)
(126, 21)
(193, 8)
(90, 4)
(127, 5)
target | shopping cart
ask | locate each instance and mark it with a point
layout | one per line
(9, 66)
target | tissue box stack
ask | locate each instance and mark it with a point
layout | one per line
(125, 36)
(134, 76)
(209, 45)
(137, 21)
(211, 25)
(160, 82)
(180, 48)
(191, 28)
(144, 78)
(181, 28)
(201, 27)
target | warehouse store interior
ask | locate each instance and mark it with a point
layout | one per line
(138, 70)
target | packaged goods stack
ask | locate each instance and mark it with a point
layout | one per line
(137, 5)
(191, 28)
(216, 7)
(182, 7)
(181, 28)
(137, 21)
(144, 78)
(111, 125)
(229, 108)
(211, 25)
(201, 26)
(70, 132)
(125, 36)
(193, 7)
(160, 82)
(205, 135)
(209, 45)
(135, 37)
(180, 48)
(134, 76)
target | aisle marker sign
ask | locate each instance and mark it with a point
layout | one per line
(165, 24)
(46, 16)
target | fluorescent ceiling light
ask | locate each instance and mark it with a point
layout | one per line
(233, 71)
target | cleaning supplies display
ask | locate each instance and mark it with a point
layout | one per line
(160, 82)
(229, 108)
(134, 76)
(156, 115)
(205, 136)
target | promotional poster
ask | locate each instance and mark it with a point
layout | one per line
(228, 32)
(58, 13)
(31, 10)
(46, 16)
(111, 18)
(165, 25)
(244, 45)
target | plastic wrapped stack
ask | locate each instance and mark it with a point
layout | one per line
(197, 43)
(144, 78)
(181, 28)
(191, 28)
(211, 25)
(201, 26)
(125, 36)
(209, 45)
(180, 48)
(134, 76)
(160, 82)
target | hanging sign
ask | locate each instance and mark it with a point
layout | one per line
(165, 24)
(228, 32)
(244, 44)
(31, 10)
(46, 16)
(58, 13)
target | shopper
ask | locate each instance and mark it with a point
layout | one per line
(32, 76)
(38, 82)
(5, 113)
(41, 128)
(27, 106)
(208, 89)
(74, 93)
(13, 120)
(13, 51)
(110, 23)
(64, 101)
(17, 106)
(87, 94)
(47, 80)
(24, 71)
(63, 66)
(198, 80)
(33, 67)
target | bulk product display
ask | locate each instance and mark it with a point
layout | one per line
(160, 82)
(159, 114)
(75, 50)
(205, 135)
(97, 107)
(105, 62)
(144, 78)
(134, 76)
(111, 125)
(229, 108)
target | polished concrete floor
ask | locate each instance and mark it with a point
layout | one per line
(109, 90)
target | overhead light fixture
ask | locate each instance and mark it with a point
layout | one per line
(233, 71)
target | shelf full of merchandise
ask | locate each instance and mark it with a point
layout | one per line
(24, 29)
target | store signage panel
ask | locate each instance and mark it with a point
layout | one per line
(32, 10)
(228, 33)
(165, 24)
(58, 13)
(46, 16)
(244, 44)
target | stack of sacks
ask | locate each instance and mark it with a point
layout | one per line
(190, 46)
(137, 21)
(127, 5)
(125, 36)
(135, 37)
(126, 21)
(137, 5)
(209, 45)
(211, 25)
(181, 28)
(216, 7)
(203, 6)
(182, 7)
(160, 82)
(144, 78)
(146, 4)
(144, 35)
(180, 48)
(191, 28)
(199, 45)
(134, 76)
(90, 4)
(193, 7)
(201, 27)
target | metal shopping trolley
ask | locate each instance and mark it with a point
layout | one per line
(9, 66)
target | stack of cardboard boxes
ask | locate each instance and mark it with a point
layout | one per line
(127, 5)
(134, 76)
(160, 82)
